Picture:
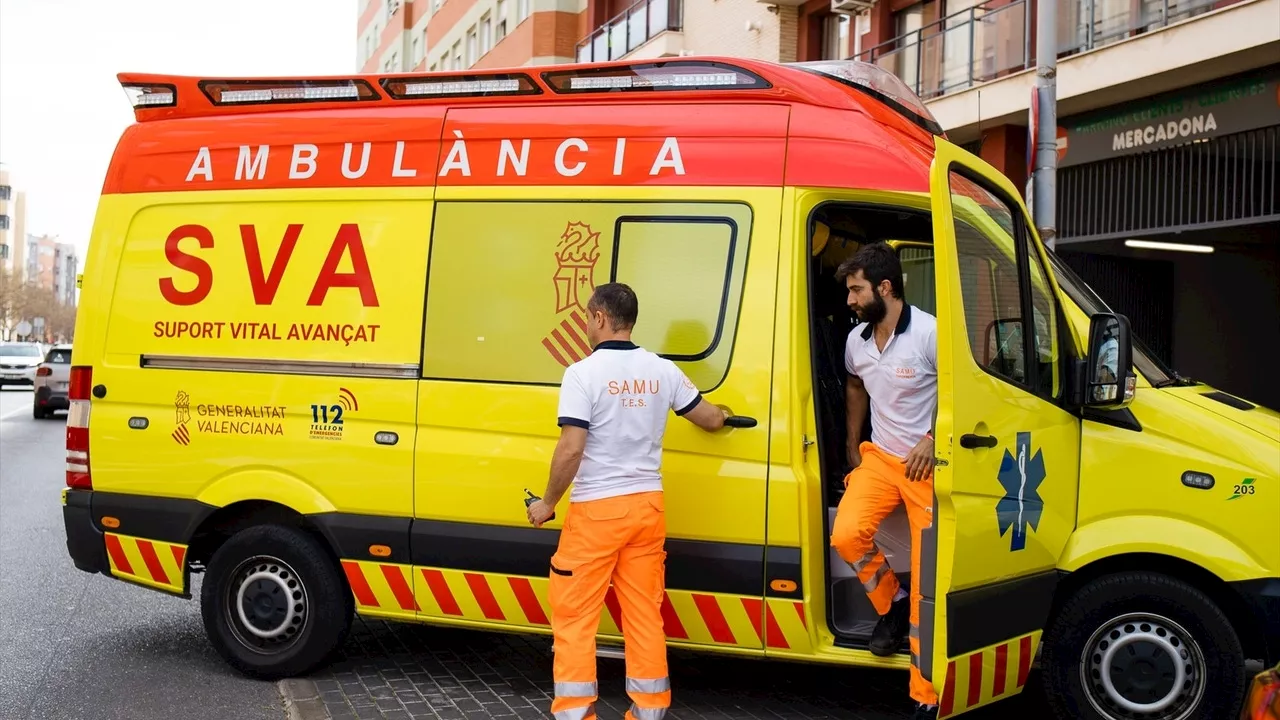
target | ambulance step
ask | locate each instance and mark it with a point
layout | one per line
(610, 651)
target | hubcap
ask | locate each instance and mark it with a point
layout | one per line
(266, 605)
(1143, 666)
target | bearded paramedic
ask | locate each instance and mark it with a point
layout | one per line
(893, 369)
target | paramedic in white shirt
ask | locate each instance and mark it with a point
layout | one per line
(892, 361)
(613, 412)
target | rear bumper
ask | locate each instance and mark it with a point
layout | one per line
(1263, 598)
(49, 398)
(84, 540)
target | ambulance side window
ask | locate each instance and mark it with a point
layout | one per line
(508, 283)
(687, 272)
(1010, 312)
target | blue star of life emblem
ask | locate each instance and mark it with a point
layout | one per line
(1021, 505)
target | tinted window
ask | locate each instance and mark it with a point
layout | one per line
(58, 357)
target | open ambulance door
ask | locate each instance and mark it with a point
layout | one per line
(1007, 449)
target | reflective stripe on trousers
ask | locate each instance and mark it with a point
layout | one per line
(576, 689)
(648, 686)
(639, 713)
(578, 713)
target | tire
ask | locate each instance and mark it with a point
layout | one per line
(272, 564)
(1145, 620)
(37, 413)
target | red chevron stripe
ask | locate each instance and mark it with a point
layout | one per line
(400, 588)
(582, 344)
(440, 591)
(709, 609)
(179, 554)
(1024, 660)
(800, 612)
(551, 348)
(484, 596)
(564, 345)
(148, 552)
(948, 692)
(117, 555)
(671, 620)
(528, 600)
(1002, 667)
(359, 585)
(975, 678)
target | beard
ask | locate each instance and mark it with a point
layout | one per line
(873, 313)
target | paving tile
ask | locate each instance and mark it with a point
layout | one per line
(413, 672)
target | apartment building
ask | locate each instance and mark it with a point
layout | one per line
(13, 231)
(454, 35)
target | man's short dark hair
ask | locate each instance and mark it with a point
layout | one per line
(878, 262)
(618, 301)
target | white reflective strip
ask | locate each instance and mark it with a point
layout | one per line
(575, 689)
(76, 467)
(871, 555)
(648, 713)
(78, 414)
(582, 713)
(874, 582)
(648, 686)
(77, 455)
(915, 632)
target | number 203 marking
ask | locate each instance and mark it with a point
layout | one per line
(1243, 489)
(320, 414)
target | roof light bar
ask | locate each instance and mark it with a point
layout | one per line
(151, 95)
(450, 86)
(263, 92)
(670, 75)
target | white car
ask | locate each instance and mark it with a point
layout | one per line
(52, 378)
(18, 363)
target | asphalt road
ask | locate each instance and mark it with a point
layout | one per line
(76, 645)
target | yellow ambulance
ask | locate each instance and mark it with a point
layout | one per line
(324, 320)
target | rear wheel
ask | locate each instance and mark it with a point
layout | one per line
(273, 602)
(39, 413)
(1141, 646)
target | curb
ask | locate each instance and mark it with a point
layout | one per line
(301, 700)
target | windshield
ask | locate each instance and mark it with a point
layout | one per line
(1151, 367)
(19, 350)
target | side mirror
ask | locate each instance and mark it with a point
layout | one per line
(1110, 383)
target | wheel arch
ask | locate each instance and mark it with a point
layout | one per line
(226, 521)
(1244, 621)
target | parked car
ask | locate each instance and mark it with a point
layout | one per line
(18, 363)
(52, 378)
(1263, 702)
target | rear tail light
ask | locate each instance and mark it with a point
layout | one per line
(44, 372)
(78, 428)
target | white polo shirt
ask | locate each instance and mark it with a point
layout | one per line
(622, 394)
(902, 380)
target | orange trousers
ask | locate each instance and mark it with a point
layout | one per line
(873, 490)
(616, 540)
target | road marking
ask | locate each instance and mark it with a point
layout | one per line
(13, 413)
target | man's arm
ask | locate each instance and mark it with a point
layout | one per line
(856, 405)
(564, 463)
(706, 416)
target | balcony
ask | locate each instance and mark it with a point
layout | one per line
(992, 40)
(631, 29)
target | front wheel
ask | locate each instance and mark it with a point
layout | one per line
(1141, 646)
(273, 602)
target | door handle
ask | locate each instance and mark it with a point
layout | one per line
(740, 421)
(969, 441)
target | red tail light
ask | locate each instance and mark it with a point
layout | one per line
(78, 428)
(44, 371)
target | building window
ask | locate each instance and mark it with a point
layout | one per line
(432, 68)
(6, 192)
(457, 56)
(835, 37)
(417, 51)
(472, 46)
(500, 30)
(523, 8)
(551, 255)
(486, 34)
(4, 222)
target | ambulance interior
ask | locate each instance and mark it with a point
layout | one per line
(836, 232)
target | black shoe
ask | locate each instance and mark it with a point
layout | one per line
(925, 712)
(892, 628)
